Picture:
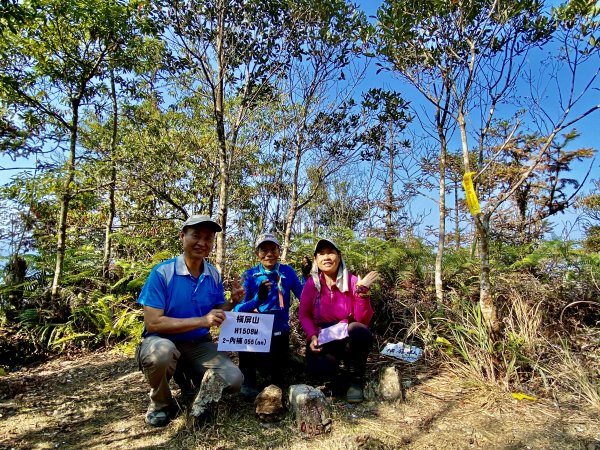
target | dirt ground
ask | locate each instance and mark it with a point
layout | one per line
(98, 400)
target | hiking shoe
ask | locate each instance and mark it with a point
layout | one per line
(159, 417)
(249, 392)
(355, 394)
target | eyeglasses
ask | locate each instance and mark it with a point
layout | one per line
(266, 251)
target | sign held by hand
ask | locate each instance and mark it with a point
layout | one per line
(245, 332)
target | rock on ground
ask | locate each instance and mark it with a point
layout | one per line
(269, 405)
(311, 410)
(211, 389)
(390, 388)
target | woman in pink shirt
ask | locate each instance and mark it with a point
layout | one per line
(335, 311)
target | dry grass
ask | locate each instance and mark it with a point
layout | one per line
(571, 373)
(529, 354)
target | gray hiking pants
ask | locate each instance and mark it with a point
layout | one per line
(160, 358)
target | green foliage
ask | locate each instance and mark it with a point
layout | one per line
(106, 320)
(592, 239)
(548, 250)
(472, 341)
(562, 262)
(415, 33)
(64, 45)
(396, 260)
(111, 319)
(132, 274)
(589, 205)
(461, 270)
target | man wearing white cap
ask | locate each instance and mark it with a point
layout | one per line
(183, 298)
(268, 286)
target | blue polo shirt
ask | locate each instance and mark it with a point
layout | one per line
(172, 288)
(254, 276)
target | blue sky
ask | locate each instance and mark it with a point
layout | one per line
(587, 127)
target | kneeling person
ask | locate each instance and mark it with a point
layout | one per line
(267, 291)
(183, 298)
(335, 312)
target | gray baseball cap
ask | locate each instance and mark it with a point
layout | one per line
(200, 219)
(266, 237)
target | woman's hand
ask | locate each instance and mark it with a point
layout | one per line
(369, 279)
(363, 285)
(314, 344)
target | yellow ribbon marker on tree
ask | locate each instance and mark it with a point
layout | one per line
(472, 201)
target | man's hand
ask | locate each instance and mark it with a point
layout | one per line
(237, 292)
(214, 318)
(314, 344)
(264, 289)
(156, 321)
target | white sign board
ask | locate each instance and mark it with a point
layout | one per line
(245, 332)
(408, 353)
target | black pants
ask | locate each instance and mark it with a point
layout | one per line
(353, 350)
(271, 366)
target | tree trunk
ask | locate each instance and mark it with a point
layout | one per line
(291, 215)
(276, 217)
(482, 227)
(14, 277)
(223, 199)
(456, 218)
(222, 138)
(439, 286)
(112, 187)
(210, 202)
(65, 198)
(368, 200)
(389, 207)
(462, 125)
(441, 115)
(486, 302)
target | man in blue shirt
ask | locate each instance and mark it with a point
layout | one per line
(183, 298)
(268, 286)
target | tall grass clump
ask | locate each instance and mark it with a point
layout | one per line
(572, 373)
(548, 305)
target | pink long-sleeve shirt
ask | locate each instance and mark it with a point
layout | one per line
(332, 306)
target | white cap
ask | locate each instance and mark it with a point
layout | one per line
(201, 219)
(321, 243)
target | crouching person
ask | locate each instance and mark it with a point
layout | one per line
(183, 298)
(268, 287)
(335, 312)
